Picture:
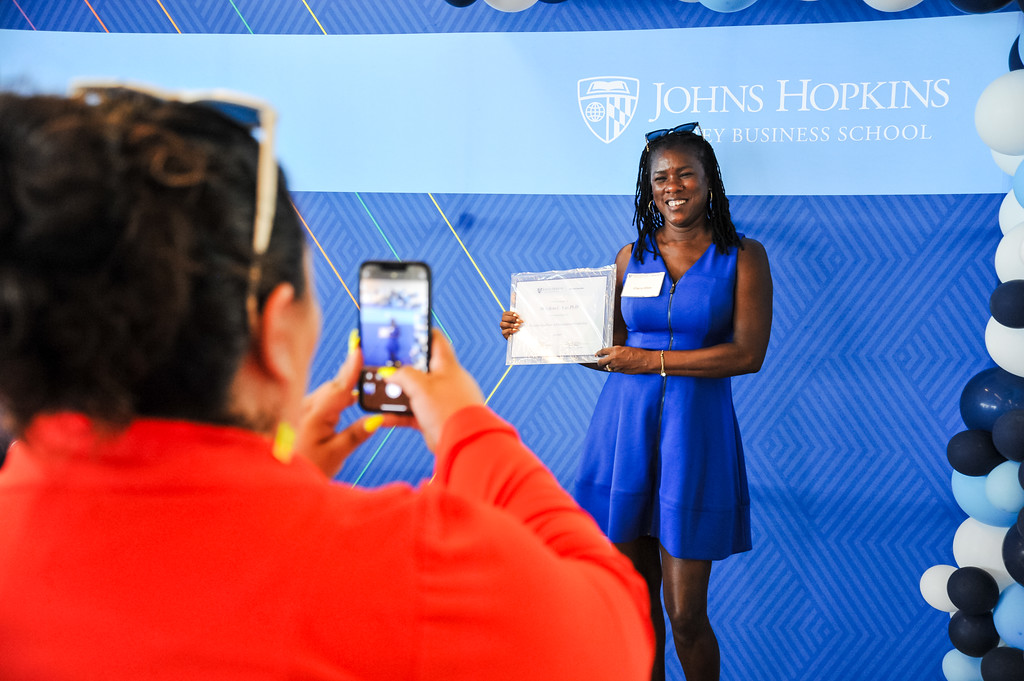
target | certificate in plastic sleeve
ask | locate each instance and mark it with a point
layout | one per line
(567, 315)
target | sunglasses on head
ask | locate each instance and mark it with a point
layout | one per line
(249, 112)
(679, 129)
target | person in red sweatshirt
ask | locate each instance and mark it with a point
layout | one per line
(167, 510)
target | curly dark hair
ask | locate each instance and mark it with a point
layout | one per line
(646, 217)
(125, 246)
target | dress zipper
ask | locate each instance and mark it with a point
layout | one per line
(664, 380)
(656, 478)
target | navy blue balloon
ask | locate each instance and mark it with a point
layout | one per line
(1007, 302)
(1013, 554)
(460, 3)
(973, 635)
(989, 395)
(1015, 61)
(1008, 435)
(973, 453)
(979, 6)
(1003, 664)
(973, 590)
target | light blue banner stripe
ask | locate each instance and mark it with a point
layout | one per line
(881, 107)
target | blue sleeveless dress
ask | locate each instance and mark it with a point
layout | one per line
(663, 456)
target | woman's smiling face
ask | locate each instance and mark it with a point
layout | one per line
(680, 187)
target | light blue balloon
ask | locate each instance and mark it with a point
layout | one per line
(969, 492)
(728, 5)
(959, 667)
(1008, 615)
(1018, 184)
(1002, 487)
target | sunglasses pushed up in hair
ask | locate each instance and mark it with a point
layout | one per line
(252, 114)
(686, 128)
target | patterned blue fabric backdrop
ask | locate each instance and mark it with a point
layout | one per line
(880, 309)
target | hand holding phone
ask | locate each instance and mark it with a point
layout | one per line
(394, 328)
(317, 437)
(437, 395)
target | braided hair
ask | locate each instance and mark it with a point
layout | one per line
(646, 217)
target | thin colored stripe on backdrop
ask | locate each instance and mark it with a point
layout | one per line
(486, 283)
(24, 15)
(324, 253)
(239, 13)
(168, 14)
(96, 15)
(314, 17)
(249, 28)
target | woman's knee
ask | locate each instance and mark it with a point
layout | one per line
(689, 623)
(686, 597)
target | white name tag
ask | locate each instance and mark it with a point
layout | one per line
(642, 284)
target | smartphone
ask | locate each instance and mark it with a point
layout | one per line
(394, 329)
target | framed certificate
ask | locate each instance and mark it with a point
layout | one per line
(567, 315)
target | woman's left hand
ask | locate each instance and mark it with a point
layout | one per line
(316, 437)
(625, 360)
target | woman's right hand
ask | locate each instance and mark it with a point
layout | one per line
(317, 437)
(436, 395)
(510, 323)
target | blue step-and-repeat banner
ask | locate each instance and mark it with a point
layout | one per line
(488, 143)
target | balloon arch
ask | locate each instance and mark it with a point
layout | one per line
(984, 591)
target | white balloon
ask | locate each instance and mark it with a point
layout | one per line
(1011, 213)
(891, 5)
(1005, 346)
(511, 5)
(1008, 164)
(1010, 255)
(979, 545)
(933, 587)
(999, 114)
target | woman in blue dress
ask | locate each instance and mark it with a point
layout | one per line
(662, 467)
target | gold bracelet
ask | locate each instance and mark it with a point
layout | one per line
(663, 374)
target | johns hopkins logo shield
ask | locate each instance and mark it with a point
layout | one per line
(607, 104)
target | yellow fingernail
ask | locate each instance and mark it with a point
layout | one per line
(353, 340)
(371, 424)
(386, 372)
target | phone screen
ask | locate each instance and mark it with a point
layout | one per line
(394, 328)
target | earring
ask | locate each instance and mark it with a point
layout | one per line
(711, 202)
(284, 442)
(651, 207)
